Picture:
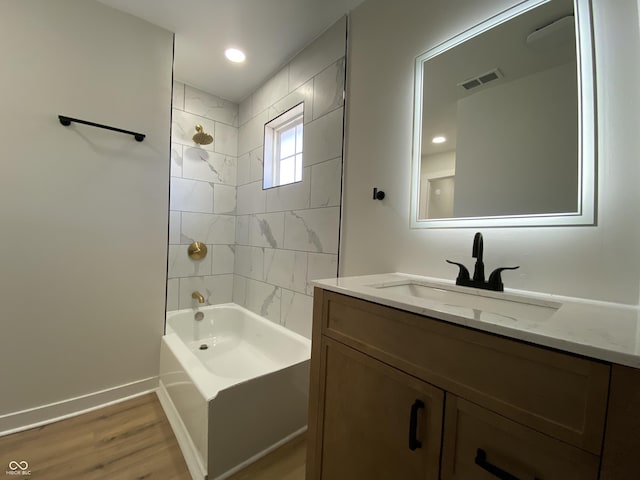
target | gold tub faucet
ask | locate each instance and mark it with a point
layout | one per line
(198, 296)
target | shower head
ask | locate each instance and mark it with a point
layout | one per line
(202, 138)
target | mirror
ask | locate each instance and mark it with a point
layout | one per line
(504, 127)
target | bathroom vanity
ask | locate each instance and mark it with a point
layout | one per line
(417, 378)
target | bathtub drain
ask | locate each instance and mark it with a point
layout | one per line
(204, 346)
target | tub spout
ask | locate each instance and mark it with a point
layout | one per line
(198, 296)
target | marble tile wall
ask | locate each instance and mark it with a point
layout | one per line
(203, 197)
(287, 236)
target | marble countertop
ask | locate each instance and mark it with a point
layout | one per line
(600, 330)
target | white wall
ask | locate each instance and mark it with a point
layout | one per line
(601, 262)
(509, 167)
(83, 211)
(203, 198)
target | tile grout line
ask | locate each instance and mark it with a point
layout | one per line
(295, 292)
(184, 110)
(289, 92)
(287, 211)
(339, 157)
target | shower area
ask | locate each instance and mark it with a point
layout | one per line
(242, 260)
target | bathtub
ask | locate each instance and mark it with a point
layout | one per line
(233, 385)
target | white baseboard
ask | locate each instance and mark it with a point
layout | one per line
(189, 451)
(54, 412)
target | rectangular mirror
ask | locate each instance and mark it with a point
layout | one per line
(504, 127)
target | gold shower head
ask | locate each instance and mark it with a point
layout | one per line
(202, 138)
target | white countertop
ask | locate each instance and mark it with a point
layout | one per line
(600, 330)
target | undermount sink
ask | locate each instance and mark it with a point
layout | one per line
(480, 305)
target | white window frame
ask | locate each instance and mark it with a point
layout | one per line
(273, 130)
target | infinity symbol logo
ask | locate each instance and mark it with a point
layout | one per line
(23, 465)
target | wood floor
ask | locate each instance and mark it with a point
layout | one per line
(285, 463)
(128, 441)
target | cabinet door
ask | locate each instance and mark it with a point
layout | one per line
(376, 422)
(481, 445)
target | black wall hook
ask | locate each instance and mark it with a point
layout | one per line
(377, 194)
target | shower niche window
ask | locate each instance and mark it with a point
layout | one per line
(283, 148)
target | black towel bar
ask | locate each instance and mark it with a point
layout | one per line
(66, 121)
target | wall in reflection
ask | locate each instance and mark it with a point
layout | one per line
(525, 166)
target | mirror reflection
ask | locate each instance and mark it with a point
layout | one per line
(499, 122)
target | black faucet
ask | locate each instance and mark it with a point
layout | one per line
(478, 248)
(495, 279)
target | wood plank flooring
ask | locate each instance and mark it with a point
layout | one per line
(285, 463)
(131, 440)
(126, 441)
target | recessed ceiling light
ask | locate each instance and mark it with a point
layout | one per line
(439, 139)
(234, 55)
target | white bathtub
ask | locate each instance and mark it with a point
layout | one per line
(238, 399)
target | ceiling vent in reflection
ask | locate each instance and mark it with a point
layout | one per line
(483, 79)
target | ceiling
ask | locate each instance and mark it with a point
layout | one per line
(270, 32)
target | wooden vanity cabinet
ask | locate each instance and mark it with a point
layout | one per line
(378, 423)
(621, 451)
(490, 404)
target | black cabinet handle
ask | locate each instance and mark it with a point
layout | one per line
(413, 425)
(481, 461)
